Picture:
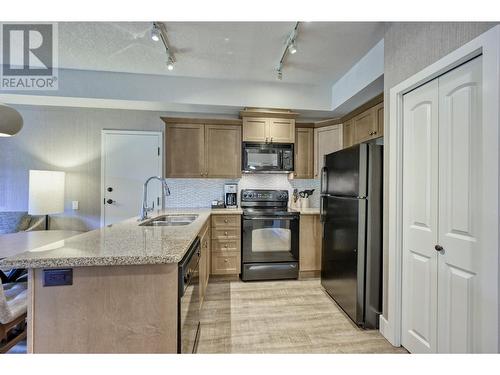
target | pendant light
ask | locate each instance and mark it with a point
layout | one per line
(11, 121)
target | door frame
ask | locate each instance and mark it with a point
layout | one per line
(487, 45)
(105, 132)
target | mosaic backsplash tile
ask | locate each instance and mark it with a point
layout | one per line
(198, 192)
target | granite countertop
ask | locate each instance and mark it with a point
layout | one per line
(124, 243)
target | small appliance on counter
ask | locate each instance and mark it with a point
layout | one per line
(231, 195)
(218, 204)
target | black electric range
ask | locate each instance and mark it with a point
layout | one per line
(270, 240)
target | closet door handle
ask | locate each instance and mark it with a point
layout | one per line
(438, 248)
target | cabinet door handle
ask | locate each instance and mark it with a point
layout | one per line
(271, 139)
(225, 221)
(225, 233)
(266, 139)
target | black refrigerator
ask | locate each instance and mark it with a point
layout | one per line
(351, 212)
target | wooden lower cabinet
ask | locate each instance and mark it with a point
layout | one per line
(310, 245)
(226, 244)
(205, 260)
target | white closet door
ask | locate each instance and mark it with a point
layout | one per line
(420, 192)
(460, 151)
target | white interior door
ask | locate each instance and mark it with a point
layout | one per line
(128, 159)
(460, 179)
(420, 219)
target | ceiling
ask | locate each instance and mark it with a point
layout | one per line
(220, 50)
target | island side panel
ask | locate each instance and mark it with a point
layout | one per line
(108, 309)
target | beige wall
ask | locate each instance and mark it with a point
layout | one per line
(408, 48)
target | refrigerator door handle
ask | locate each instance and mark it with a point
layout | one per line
(322, 209)
(324, 180)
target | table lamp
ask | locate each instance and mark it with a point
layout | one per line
(46, 193)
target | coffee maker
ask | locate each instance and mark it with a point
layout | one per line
(231, 195)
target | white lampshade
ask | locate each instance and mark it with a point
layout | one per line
(46, 192)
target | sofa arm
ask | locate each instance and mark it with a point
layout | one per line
(37, 223)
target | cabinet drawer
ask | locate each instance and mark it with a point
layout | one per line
(218, 245)
(226, 263)
(226, 220)
(225, 233)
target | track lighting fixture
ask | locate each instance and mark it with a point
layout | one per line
(155, 33)
(290, 47)
(160, 31)
(170, 64)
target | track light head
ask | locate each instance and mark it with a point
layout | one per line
(155, 33)
(280, 75)
(170, 64)
(292, 48)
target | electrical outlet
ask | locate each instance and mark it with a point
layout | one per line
(74, 205)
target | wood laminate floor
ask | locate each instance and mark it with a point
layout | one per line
(280, 317)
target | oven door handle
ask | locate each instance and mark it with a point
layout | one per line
(271, 218)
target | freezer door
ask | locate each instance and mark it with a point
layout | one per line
(345, 172)
(343, 253)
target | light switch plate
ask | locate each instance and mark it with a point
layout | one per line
(74, 205)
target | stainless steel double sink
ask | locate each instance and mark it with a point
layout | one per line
(170, 220)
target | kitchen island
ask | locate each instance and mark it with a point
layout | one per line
(119, 293)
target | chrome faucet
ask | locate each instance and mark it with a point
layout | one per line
(165, 191)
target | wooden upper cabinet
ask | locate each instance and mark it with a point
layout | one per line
(348, 133)
(255, 129)
(326, 141)
(268, 130)
(223, 151)
(281, 130)
(369, 124)
(304, 153)
(365, 125)
(185, 150)
(199, 150)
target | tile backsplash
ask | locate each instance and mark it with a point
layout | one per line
(198, 192)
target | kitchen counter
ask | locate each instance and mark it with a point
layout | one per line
(124, 243)
(306, 211)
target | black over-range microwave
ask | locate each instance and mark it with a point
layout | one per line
(267, 157)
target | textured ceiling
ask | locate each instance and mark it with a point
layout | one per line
(234, 50)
